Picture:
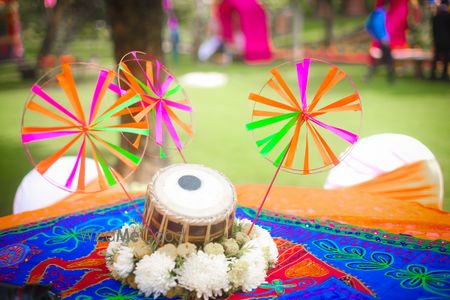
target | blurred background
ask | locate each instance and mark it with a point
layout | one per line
(220, 51)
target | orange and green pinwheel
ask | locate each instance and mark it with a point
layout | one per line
(288, 119)
(284, 119)
(82, 120)
(163, 98)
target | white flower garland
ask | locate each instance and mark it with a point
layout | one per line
(153, 274)
(238, 263)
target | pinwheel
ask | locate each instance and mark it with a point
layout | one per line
(163, 99)
(302, 133)
(72, 111)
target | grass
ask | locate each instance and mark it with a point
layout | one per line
(418, 108)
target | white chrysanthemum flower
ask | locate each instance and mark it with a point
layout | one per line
(125, 262)
(252, 266)
(132, 226)
(267, 243)
(262, 237)
(245, 224)
(113, 248)
(153, 274)
(238, 273)
(242, 238)
(140, 248)
(205, 274)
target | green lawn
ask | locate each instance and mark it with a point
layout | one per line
(414, 107)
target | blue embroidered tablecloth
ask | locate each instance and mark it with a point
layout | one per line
(318, 259)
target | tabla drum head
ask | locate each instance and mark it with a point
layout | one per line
(193, 191)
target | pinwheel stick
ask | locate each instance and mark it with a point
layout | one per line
(268, 190)
(144, 222)
(182, 156)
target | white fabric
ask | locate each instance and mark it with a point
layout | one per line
(376, 155)
(214, 197)
(407, 53)
(36, 192)
(204, 79)
(209, 47)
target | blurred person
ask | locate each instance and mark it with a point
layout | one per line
(174, 35)
(441, 39)
(174, 30)
(376, 26)
(415, 19)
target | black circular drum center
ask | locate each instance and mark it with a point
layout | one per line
(189, 182)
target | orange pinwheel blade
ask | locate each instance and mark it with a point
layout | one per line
(45, 164)
(67, 83)
(270, 102)
(293, 147)
(276, 73)
(186, 127)
(306, 159)
(131, 79)
(264, 113)
(33, 106)
(333, 77)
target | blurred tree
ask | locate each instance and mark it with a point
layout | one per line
(199, 27)
(137, 25)
(354, 7)
(297, 29)
(64, 22)
(327, 13)
(53, 24)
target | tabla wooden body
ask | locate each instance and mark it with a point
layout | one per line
(189, 203)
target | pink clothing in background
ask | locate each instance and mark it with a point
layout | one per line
(397, 23)
(249, 17)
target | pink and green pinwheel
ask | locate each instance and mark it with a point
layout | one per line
(163, 98)
(81, 119)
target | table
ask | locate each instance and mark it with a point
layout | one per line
(320, 258)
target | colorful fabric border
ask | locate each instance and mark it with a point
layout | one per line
(314, 256)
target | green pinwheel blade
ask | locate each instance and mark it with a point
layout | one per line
(265, 140)
(161, 153)
(134, 158)
(109, 176)
(133, 100)
(145, 132)
(269, 121)
(142, 85)
(172, 91)
(277, 162)
(279, 135)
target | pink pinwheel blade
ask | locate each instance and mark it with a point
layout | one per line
(344, 134)
(302, 75)
(33, 137)
(75, 167)
(170, 128)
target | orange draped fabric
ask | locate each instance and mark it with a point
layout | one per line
(350, 206)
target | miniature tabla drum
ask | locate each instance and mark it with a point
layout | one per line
(189, 203)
